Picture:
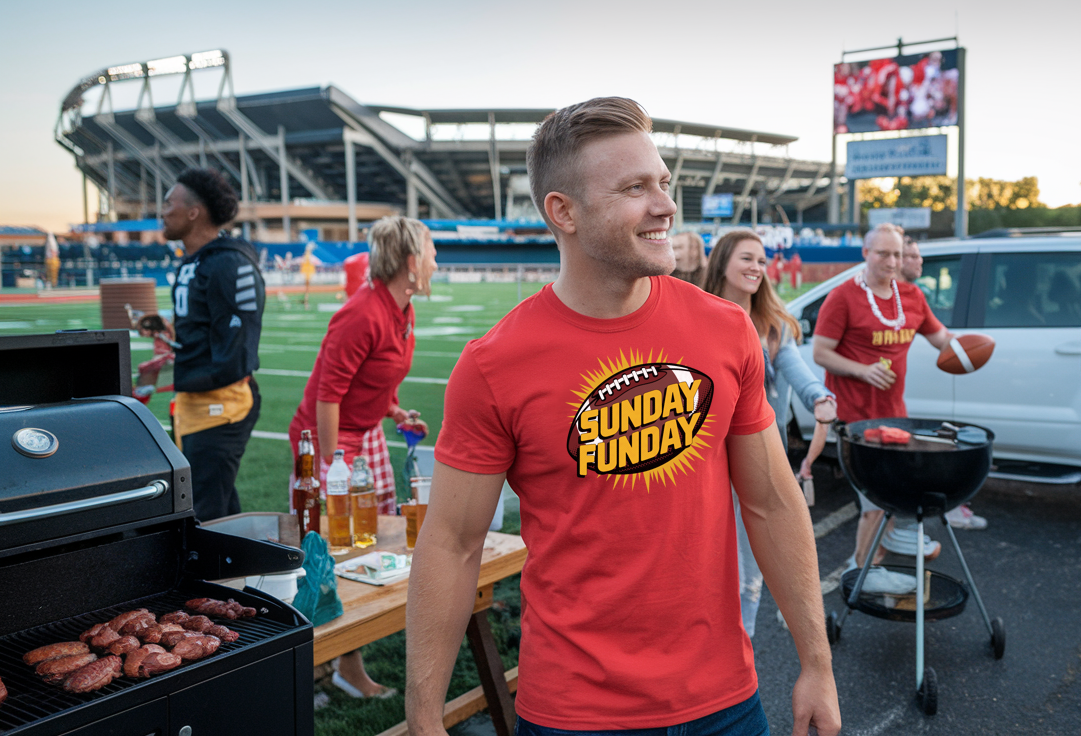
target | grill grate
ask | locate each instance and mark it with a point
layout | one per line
(30, 698)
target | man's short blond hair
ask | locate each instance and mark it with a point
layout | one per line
(391, 241)
(551, 157)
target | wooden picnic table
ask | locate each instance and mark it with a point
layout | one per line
(373, 612)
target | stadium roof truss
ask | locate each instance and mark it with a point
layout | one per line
(320, 146)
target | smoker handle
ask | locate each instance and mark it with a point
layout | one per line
(155, 489)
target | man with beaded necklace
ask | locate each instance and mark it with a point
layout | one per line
(864, 330)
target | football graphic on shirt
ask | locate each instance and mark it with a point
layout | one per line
(639, 418)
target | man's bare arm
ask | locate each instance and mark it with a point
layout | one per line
(442, 587)
(779, 529)
(826, 355)
(941, 338)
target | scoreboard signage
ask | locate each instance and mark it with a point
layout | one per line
(923, 155)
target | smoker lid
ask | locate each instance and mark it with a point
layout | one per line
(85, 465)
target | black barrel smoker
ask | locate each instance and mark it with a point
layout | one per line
(96, 519)
(942, 466)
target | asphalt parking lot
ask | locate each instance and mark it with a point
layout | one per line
(1027, 566)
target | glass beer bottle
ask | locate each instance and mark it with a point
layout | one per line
(306, 487)
(362, 498)
(338, 516)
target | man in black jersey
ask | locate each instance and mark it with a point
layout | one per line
(218, 299)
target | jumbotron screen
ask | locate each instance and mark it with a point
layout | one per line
(912, 91)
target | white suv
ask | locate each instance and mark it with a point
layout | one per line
(1025, 292)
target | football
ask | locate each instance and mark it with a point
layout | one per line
(639, 418)
(966, 353)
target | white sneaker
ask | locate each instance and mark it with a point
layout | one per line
(903, 542)
(963, 518)
(881, 580)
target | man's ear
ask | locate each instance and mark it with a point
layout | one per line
(561, 211)
(411, 263)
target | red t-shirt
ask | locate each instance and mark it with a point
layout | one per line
(366, 353)
(631, 588)
(846, 316)
(356, 272)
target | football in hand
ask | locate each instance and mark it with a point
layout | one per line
(966, 353)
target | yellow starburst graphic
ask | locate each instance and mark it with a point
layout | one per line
(685, 461)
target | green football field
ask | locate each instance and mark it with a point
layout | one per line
(291, 336)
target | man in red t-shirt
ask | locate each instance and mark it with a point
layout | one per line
(864, 330)
(620, 404)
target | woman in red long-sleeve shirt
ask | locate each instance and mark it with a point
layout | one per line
(367, 351)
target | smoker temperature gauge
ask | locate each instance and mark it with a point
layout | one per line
(35, 443)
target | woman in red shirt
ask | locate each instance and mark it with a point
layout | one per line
(367, 351)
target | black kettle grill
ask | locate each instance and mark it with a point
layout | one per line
(942, 466)
(96, 519)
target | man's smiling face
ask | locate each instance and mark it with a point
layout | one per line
(625, 211)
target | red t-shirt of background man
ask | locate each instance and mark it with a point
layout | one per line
(365, 355)
(632, 615)
(846, 316)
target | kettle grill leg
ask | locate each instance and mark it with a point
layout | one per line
(968, 577)
(919, 601)
(855, 596)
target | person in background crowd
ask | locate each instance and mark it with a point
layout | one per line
(367, 351)
(690, 252)
(736, 270)
(795, 271)
(961, 517)
(307, 269)
(864, 330)
(596, 652)
(218, 299)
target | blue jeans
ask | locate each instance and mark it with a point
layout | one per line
(743, 719)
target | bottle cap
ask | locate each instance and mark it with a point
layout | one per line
(339, 454)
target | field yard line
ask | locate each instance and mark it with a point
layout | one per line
(307, 374)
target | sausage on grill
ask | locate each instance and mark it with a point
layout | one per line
(92, 631)
(157, 662)
(133, 660)
(197, 623)
(104, 638)
(222, 609)
(118, 623)
(197, 647)
(52, 651)
(124, 644)
(153, 633)
(3, 692)
(58, 669)
(93, 676)
(222, 632)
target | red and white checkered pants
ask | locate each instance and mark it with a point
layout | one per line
(372, 446)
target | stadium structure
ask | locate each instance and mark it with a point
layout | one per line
(316, 162)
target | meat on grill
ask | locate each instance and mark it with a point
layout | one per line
(136, 625)
(58, 668)
(93, 676)
(222, 632)
(3, 692)
(103, 639)
(197, 647)
(52, 651)
(158, 662)
(118, 623)
(153, 633)
(93, 631)
(133, 660)
(124, 644)
(197, 623)
(222, 609)
(176, 617)
(172, 638)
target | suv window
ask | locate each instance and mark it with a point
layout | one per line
(1033, 290)
(938, 283)
(810, 317)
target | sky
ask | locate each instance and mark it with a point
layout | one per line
(759, 66)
